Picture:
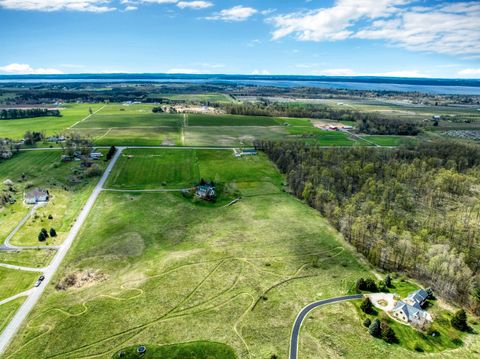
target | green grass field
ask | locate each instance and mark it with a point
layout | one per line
(192, 350)
(68, 188)
(51, 125)
(170, 267)
(389, 140)
(230, 120)
(28, 258)
(15, 281)
(7, 311)
(203, 98)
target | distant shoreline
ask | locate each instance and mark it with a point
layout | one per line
(365, 83)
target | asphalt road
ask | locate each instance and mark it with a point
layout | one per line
(12, 328)
(304, 312)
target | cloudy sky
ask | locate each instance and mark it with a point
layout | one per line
(424, 38)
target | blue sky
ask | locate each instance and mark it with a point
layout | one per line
(312, 37)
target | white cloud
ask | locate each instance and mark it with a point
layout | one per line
(130, 8)
(20, 69)
(236, 13)
(194, 4)
(470, 72)
(445, 28)
(331, 23)
(56, 5)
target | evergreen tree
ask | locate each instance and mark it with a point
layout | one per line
(366, 305)
(367, 322)
(53, 233)
(388, 281)
(374, 329)
(388, 335)
(459, 320)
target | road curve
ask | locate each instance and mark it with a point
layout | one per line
(12, 328)
(304, 312)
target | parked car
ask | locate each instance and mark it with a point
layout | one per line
(39, 281)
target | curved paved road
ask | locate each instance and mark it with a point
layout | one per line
(304, 312)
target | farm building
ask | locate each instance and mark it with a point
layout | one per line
(205, 191)
(36, 195)
(246, 152)
(95, 155)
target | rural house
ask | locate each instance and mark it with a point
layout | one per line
(410, 314)
(205, 191)
(410, 309)
(36, 195)
(419, 297)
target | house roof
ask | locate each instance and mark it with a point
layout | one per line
(418, 296)
(37, 192)
(411, 312)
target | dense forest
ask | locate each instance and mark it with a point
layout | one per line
(370, 123)
(389, 126)
(14, 113)
(413, 209)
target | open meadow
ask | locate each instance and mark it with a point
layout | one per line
(67, 183)
(167, 269)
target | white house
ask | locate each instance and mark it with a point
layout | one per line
(35, 196)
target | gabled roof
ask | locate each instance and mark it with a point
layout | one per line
(411, 312)
(418, 296)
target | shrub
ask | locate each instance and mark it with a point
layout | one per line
(459, 320)
(360, 284)
(388, 281)
(418, 348)
(367, 322)
(366, 305)
(388, 335)
(53, 232)
(374, 329)
(370, 285)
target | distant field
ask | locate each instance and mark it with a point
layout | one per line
(230, 120)
(119, 120)
(231, 136)
(178, 271)
(389, 140)
(213, 97)
(51, 125)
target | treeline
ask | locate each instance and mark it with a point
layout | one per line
(369, 123)
(389, 126)
(12, 114)
(414, 209)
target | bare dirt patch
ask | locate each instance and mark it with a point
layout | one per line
(81, 279)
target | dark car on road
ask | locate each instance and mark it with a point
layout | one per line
(39, 281)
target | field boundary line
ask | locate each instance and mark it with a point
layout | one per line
(85, 118)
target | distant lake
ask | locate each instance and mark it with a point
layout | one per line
(430, 86)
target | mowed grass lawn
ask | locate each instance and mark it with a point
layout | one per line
(14, 281)
(176, 168)
(173, 271)
(69, 189)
